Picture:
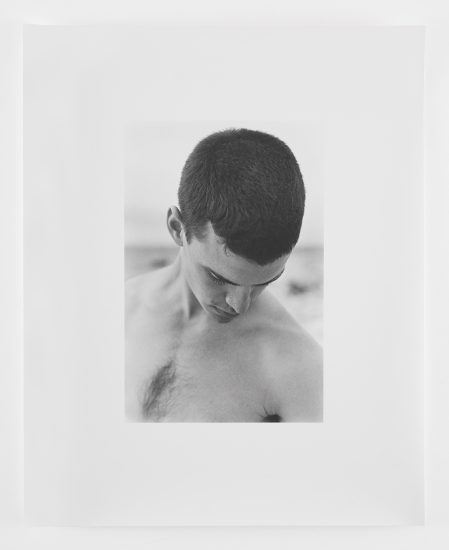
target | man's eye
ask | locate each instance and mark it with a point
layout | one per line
(215, 279)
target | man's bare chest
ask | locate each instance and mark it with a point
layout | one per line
(203, 374)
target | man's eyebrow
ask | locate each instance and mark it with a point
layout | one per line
(236, 284)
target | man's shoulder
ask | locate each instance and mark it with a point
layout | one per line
(294, 347)
(143, 290)
(281, 328)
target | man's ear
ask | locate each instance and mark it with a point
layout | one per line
(174, 225)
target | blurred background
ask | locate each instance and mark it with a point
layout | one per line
(154, 155)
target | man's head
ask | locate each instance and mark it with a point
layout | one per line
(248, 185)
(241, 201)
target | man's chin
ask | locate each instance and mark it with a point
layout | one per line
(223, 320)
(221, 316)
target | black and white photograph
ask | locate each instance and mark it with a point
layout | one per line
(223, 300)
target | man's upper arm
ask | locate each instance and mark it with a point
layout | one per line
(298, 387)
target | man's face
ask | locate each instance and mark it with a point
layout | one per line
(224, 284)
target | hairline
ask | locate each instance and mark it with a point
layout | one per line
(200, 234)
(236, 284)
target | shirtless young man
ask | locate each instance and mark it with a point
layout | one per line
(205, 340)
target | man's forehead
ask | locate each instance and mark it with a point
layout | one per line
(212, 253)
(213, 248)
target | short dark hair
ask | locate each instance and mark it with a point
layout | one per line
(249, 186)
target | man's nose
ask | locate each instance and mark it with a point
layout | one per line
(239, 299)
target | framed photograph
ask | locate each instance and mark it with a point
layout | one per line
(214, 335)
(170, 176)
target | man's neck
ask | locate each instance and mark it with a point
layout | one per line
(190, 305)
